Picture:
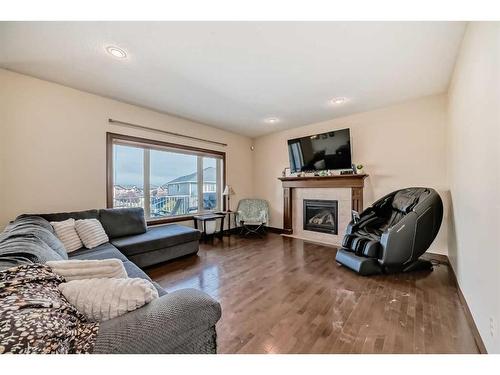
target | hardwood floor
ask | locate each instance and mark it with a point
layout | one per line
(283, 295)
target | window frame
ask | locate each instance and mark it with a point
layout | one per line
(152, 144)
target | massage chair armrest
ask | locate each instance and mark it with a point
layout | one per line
(397, 237)
(262, 218)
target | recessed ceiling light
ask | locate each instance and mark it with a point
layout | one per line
(116, 52)
(338, 100)
(272, 120)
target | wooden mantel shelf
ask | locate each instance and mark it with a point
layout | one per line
(345, 180)
(353, 181)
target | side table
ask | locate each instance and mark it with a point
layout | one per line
(209, 217)
(228, 214)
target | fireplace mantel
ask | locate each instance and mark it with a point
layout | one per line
(353, 181)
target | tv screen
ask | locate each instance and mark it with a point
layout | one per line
(331, 150)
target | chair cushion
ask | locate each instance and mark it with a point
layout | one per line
(155, 238)
(120, 222)
(358, 245)
(253, 211)
(372, 249)
(405, 199)
(104, 251)
(347, 241)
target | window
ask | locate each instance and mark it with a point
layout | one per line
(169, 181)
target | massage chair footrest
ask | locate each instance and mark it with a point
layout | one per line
(362, 265)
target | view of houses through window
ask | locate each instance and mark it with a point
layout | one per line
(165, 182)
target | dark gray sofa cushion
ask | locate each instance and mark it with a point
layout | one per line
(120, 222)
(152, 257)
(104, 251)
(134, 271)
(61, 216)
(155, 238)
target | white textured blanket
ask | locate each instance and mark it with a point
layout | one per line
(103, 299)
(88, 269)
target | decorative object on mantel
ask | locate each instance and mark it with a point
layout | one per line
(359, 169)
(285, 172)
(323, 173)
(228, 191)
(353, 181)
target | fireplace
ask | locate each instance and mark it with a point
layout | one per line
(321, 216)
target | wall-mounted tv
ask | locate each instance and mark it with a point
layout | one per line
(331, 150)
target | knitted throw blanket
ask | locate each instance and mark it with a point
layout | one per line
(36, 318)
(88, 269)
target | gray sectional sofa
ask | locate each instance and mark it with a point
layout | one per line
(127, 231)
(179, 322)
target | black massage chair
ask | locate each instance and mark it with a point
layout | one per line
(393, 233)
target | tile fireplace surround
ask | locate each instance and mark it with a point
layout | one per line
(342, 195)
(346, 189)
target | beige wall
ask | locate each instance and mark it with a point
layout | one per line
(474, 174)
(54, 145)
(400, 146)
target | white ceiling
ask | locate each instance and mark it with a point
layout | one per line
(233, 75)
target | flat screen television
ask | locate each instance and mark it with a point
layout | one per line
(331, 150)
